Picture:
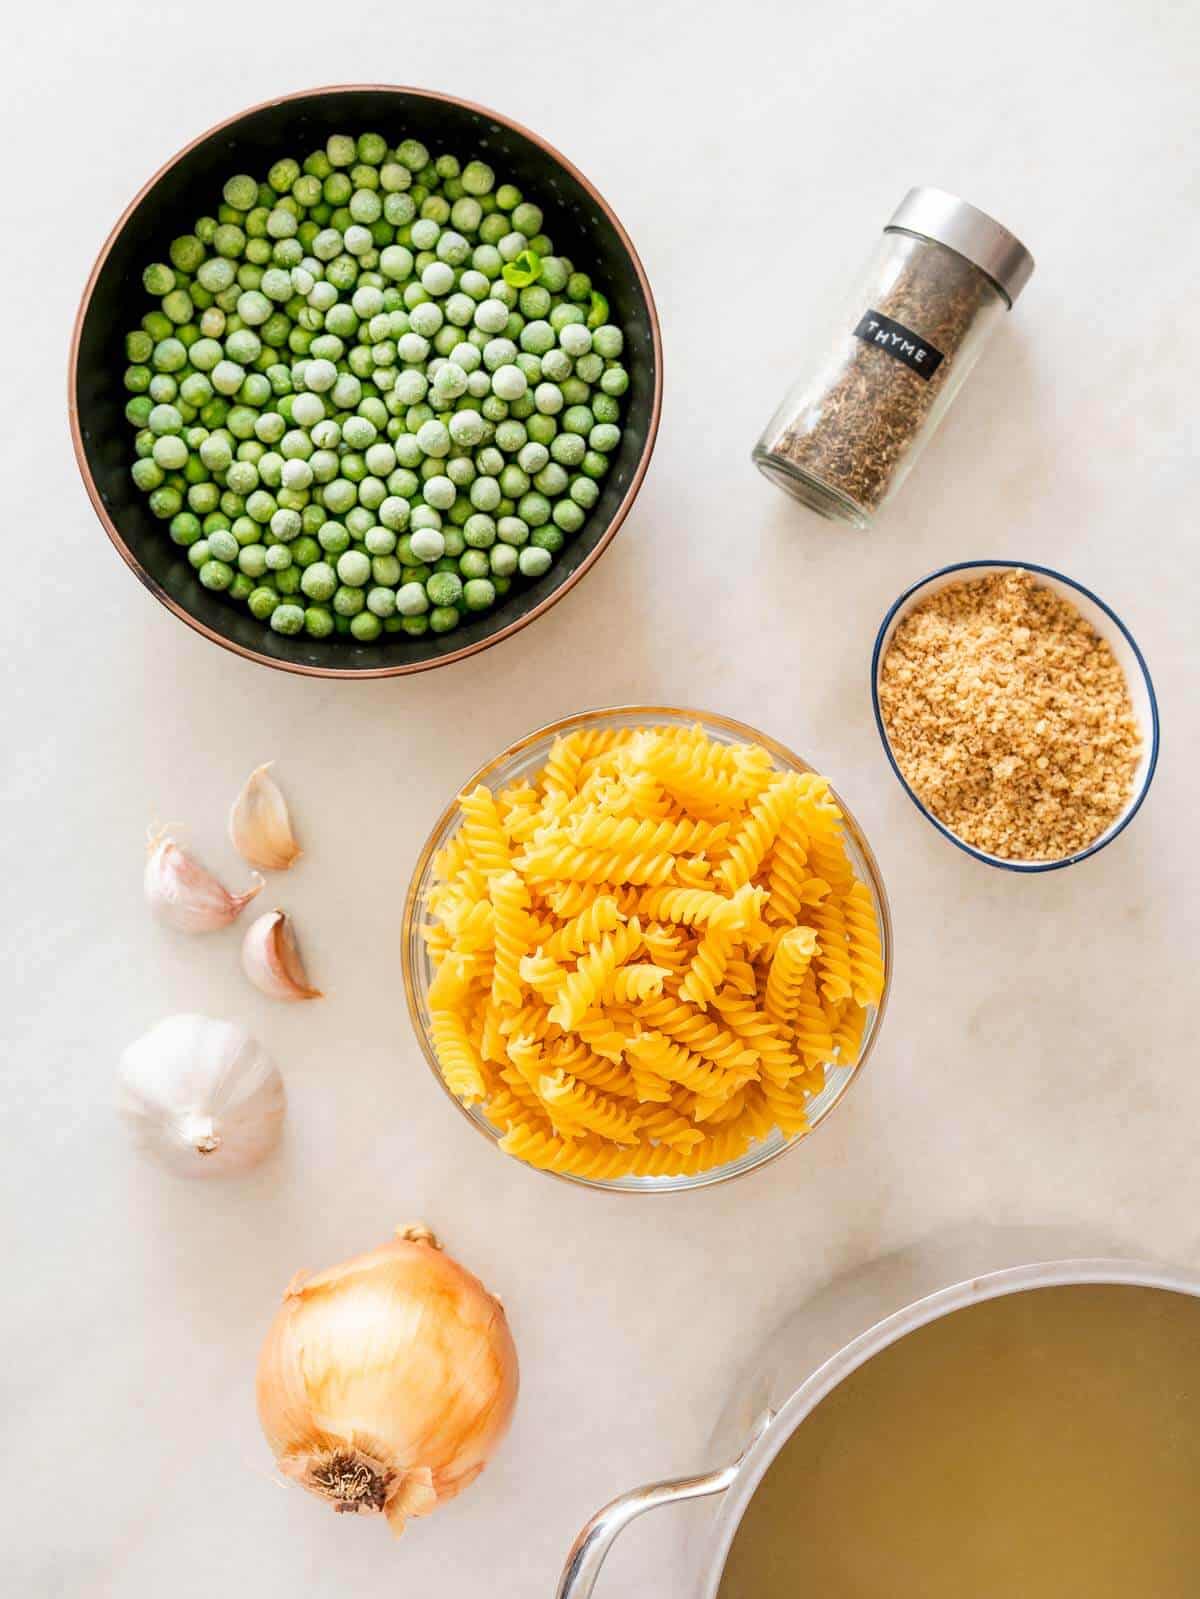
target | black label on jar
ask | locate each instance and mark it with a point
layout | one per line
(900, 342)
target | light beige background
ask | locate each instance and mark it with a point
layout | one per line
(1038, 1066)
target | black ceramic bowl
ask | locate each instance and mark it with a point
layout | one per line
(582, 225)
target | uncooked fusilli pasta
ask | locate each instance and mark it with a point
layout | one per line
(647, 957)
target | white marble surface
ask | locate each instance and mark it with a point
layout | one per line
(1037, 1068)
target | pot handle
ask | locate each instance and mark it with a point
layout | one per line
(592, 1545)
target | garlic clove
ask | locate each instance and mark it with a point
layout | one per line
(202, 1096)
(185, 895)
(271, 959)
(260, 826)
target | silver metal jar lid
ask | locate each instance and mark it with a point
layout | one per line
(947, 220)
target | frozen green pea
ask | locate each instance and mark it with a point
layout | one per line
(169, 355)
(478, 594)
(287, 619)
(319, 581)
(353, 568)
(608, 341)
(440, 492)
(604, 437)
(253, 560)
(339, 495)
(614, 381)
(535, 561)
(318, 621)
(477, 178)
(216, 575)
(485, 494)
(551, 537)
(510, 383)
(386, 571)
(381, 601)
(444, 618)
(575, 339)
(444, 589)
(535, 509)
(427, 544)
(184, 529)
(449, 382)
(380, 540)
(568, 449)
(412, 600)
(262, 602)
(170, 452)
(222, 545)
(348, 601)
(568, 515)
(333, 538)
(503, 560)
(433, 437)
(479, 531)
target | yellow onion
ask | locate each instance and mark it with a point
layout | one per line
(386, 1383)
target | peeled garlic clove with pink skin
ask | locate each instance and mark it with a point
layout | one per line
(202, 1096)
(271, 960)
(260, 826)
(186, 896)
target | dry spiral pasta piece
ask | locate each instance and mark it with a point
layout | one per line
(595, 919)
(635, 982)
(601, 1033)
(786, 1105)
(560, 775)
(787, 873)
(814, 1037)
(642, 836)
(581, 989)
(559, 860)
(675, 1063)
(866, 957)
(682, 905)
(791, 960)
(610, 1077)
(510, 912)
(483, 831)
(737, 920)
(457, 1056)
(686, 1025)
(588, 1109)
(833, 951)
(539, 972)
(754, 839)
(753, 1027)
(847, 1033)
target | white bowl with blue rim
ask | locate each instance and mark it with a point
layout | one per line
(1107, 624)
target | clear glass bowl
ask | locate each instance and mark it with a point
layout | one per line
(525, 759)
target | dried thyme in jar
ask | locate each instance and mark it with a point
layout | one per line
(942, 276)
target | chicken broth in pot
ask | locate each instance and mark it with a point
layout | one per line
(1036, 1445)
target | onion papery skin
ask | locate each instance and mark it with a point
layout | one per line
(385, 1384)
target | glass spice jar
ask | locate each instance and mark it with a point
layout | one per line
(941, 277)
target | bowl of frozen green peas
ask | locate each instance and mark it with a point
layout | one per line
(364, 380)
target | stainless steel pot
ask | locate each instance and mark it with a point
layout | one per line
(777, 1407)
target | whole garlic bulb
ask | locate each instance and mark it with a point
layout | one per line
(202, 1096)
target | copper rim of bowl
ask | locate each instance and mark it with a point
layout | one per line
(402, 668)
(744, 732)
